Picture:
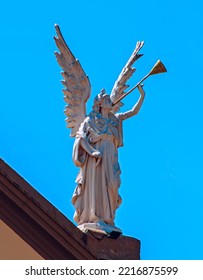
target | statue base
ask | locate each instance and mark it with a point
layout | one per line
(101, 227)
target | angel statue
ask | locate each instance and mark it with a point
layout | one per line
(98, 136)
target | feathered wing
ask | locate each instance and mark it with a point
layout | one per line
(120, 84)
(77, 85)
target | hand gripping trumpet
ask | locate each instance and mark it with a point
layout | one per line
(157, 69)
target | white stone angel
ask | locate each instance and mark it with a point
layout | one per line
(97, 136)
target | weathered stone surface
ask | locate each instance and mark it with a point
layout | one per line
(98, 136)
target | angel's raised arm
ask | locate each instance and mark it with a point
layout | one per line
(136, 108)
(77, 85)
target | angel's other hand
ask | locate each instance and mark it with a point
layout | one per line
(140, 86)
(97, 154)
(141, 90)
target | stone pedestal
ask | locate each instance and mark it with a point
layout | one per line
(105, 247)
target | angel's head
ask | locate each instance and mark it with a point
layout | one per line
(102, 100)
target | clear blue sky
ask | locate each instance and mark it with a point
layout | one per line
(162, 160)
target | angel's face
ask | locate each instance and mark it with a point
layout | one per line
(106, 102)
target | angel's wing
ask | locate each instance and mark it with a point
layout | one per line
(77, 85)
(120, 84)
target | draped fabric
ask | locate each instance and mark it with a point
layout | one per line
(96, 196)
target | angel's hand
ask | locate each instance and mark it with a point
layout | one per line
(141, 90)
(140, 86)
(97, 155)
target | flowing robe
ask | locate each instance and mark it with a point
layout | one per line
(96, 196)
